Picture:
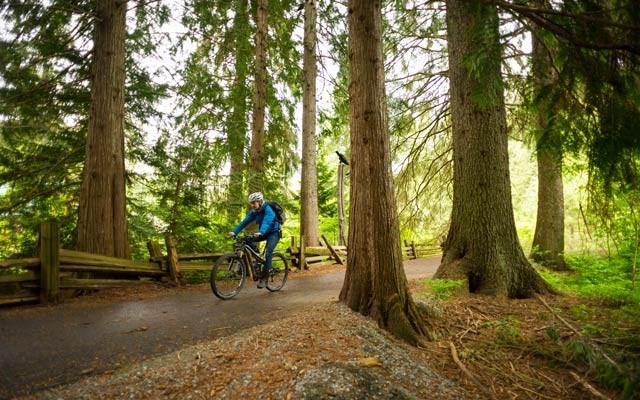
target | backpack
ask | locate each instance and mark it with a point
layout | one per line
(277, 208)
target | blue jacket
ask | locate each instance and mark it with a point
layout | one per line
(265, 217)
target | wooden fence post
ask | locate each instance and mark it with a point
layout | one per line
(172, 259)
(155, 254)
(154, 249)
(294, 253)
(49, 263)
(413, 249)
(303, 258)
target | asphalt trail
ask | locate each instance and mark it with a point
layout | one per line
(58, 345)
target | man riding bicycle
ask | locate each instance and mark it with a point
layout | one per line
(269, 230)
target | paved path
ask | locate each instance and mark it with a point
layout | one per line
(58, 345)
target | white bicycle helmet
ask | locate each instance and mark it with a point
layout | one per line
(257, 196)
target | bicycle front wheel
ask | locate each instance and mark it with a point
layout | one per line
(278, 273)
(227, 276)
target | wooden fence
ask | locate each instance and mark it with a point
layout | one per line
(411, 250)
(56, 270)
(304, 257)
(44, 278)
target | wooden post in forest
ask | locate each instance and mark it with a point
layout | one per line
(414, 250)
(154, 250)
(341, 238)
(172, 259)
(294, 253)
(49, 263)
(302, 260)
(155, 254)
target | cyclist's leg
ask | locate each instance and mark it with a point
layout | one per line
(272, 241)
(253, 240)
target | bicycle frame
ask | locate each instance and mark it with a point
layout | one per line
(248, 255)
(230, 271)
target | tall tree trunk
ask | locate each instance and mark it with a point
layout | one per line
(375, 283)
(102, 224)
(259, 99)
(309, 180)
(236, 124)
(548, 240)
(482, 244)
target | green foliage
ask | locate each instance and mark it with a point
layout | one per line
(623, 377)
(599, 277)
(552, 333)
(442, 288)
(507, 331)
(580, 312)
(419, 120)
(45, 63)
(609, 281)
(43, 117)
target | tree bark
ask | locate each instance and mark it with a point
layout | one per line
(548, 240)
(341, 218)
(259, 99)
(237, 124)
(482, 244)
(375, 283)
(309, 178)
(102, 224)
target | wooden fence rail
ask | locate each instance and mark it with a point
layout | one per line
(14, 289)
(44, 278)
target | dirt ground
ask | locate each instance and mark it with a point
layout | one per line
(504, 350)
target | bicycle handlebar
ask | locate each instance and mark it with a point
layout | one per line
(243, 238)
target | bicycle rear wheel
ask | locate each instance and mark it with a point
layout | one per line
(227, 276)
(278, 273)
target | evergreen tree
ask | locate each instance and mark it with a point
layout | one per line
(375, 283)
(482, 244)
(548, 240)
(309, 181)
(44, 107)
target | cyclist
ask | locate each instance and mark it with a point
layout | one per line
(269, 230)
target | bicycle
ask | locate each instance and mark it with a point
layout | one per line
(230, 270)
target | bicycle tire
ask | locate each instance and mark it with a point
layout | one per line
(227, 276)
(278, 273)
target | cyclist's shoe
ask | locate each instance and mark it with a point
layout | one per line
(262, 283)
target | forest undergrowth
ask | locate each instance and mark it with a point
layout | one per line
(571, 346)
(562, 347)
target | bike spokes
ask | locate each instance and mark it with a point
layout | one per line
(278, 273)
(227, 276)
